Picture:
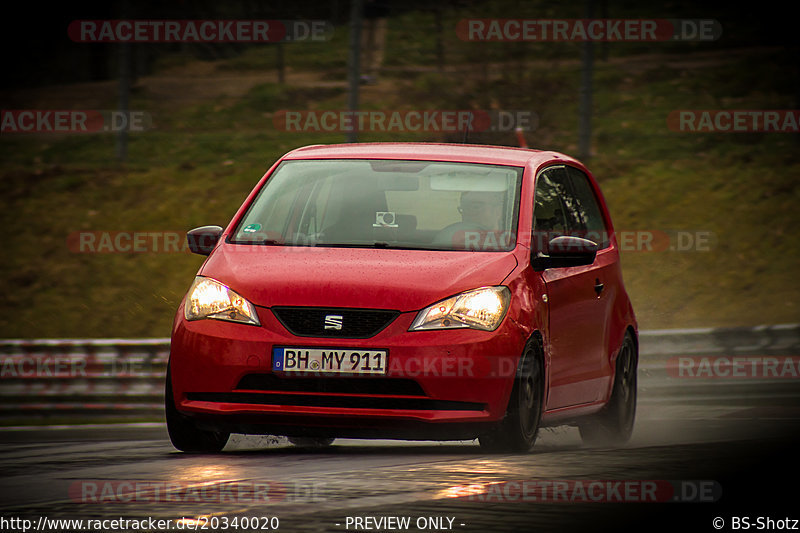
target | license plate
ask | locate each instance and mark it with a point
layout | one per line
(334, 361)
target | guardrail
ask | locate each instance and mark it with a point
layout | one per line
(68, 379)
(782, 339)
(682, 366)
(48, 380)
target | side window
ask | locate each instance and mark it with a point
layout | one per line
(587, 208)
(551, 216)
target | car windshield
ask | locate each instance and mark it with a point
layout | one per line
(385, 204)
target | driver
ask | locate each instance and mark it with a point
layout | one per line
(480, 212)
(482, 209)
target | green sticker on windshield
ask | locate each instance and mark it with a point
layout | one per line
(252, 228)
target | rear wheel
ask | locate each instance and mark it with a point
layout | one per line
(613, 425)
(183, 434)
(517, 432)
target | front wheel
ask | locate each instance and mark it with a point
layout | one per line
(613, 425)
(183, 434)
(517, 432)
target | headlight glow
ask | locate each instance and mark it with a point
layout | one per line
(208, 298)
(482, 308)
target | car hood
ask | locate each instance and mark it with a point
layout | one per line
(405, 280)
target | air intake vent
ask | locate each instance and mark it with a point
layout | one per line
(359, 385)
(343, 323)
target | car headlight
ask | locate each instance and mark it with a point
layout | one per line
(482, 308)
(208, 298)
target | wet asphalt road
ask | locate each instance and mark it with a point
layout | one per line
(733, 451)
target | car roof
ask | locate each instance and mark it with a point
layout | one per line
(475, 153)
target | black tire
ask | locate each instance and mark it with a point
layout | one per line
(519, 428)
(613, 425)
(311, 442)
(183, 434)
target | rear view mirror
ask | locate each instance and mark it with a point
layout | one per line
(397, 182)
(202, 240)
(566, 252)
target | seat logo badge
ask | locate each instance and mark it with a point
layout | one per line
(333, 322)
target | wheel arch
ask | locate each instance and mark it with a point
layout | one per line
(536, 338)
(629, 329)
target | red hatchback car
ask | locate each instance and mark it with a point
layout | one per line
(411, 291)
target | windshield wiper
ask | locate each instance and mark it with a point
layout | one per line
(376, 244)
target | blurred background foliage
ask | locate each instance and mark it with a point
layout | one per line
(213, 137)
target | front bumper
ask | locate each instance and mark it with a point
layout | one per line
(439, 384)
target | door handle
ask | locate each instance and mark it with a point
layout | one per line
(598, 287)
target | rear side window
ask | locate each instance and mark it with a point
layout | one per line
(587, 208)
(550, 214)
(565, 204)
(556, 209)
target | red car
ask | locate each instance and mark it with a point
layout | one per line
(411, 291)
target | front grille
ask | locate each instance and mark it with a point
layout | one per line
(354, 323)
(355, 402)
(355, 385)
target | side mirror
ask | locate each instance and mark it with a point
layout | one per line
(566, 251)
(202, 240)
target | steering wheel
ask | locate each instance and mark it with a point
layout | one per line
(446, 235)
